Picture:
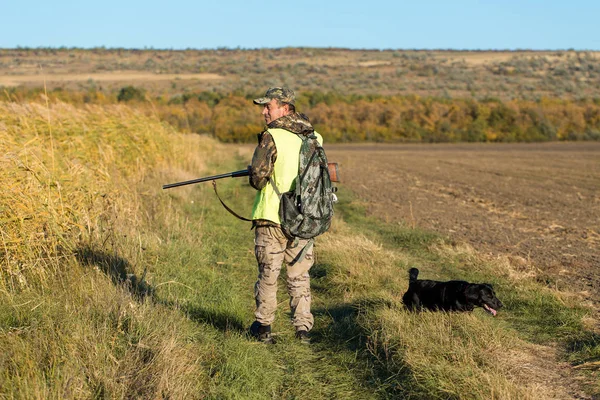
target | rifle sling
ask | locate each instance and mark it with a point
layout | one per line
(225, 205)
(275, 188)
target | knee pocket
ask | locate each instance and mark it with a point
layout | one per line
(260, 254)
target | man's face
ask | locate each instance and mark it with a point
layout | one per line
(271, 111)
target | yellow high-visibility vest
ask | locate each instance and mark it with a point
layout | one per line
(266, 202)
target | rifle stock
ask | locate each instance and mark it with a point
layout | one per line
(334, 171)
(332, 167)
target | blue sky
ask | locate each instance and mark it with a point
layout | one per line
(367, 24)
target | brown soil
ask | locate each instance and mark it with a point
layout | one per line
(537, 203)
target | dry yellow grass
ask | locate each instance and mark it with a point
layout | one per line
(65, 170)
(71, 215)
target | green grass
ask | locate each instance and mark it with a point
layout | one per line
(219, 275)
(536, 313)
(351, 356)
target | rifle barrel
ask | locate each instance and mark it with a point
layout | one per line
(235, 174)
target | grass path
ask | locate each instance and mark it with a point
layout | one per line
(360, 328)
(219, 274)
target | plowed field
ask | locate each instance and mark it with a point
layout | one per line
(539, 204)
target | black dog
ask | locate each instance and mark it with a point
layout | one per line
(449, 296)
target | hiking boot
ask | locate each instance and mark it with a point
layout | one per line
(262, 333)
(302, 336)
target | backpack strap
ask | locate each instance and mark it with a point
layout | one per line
(225, 205)
(304, 251)
(312, 156)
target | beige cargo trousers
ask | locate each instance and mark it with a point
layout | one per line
(272, 249)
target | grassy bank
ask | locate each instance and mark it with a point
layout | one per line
(113, 288)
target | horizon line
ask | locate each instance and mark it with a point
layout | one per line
(239, 48)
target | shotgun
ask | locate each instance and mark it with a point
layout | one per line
(235, 174)
(332, 167)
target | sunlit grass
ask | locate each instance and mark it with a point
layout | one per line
(113, 288)
(73, 225)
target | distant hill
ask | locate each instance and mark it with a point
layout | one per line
(504, 75)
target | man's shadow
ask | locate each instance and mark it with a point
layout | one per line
(221, 320)
(117, 269)
(120, 272)
(344, 331)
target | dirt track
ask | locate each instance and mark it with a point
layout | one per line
(537, 203)
(37, 79)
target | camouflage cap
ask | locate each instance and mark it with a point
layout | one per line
(284, 95)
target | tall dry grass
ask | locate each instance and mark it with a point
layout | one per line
(67, 175)
(74, 240)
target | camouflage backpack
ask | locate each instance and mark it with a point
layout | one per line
(306, 211)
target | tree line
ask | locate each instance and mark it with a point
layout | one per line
(232, 117)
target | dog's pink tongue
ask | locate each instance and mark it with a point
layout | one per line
(490, 309)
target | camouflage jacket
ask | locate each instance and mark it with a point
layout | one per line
(265, 154)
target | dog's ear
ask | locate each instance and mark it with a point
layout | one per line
(413, 273)
(476, 290)
(489, 285)
(472, 290)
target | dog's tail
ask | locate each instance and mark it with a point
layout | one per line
(412, 274)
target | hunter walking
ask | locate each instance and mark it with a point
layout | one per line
(273, 171)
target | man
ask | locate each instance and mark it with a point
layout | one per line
(275, 163)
